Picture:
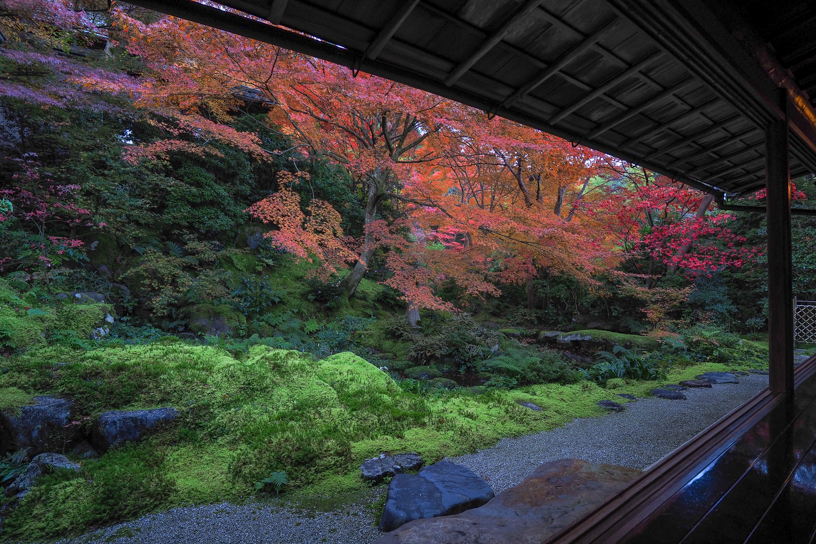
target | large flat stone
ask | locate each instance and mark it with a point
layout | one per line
(42, 426)
(553, 497)
(440, 489)
(718, 377)
(113, 429)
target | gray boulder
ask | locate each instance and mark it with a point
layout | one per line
(84, 450)
(551, 499)
(378, 468)
(611, 405)
(718, 377)
(668, 394)
(40, 427)
(696, 383)
(87, 297)
(41, 464)
(441, 489)
(115, 428)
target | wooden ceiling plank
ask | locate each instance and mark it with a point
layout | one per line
(276, 9)
(722, 173)
(626, 74)
(562, 61)
(665, 125)
(390, 29)
(697, 135)
(725, 158)
(644, 105)
(491, 41)
(728, 140)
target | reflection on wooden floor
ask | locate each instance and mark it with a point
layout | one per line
(750, 478)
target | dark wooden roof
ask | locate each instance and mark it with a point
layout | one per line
(670, 85)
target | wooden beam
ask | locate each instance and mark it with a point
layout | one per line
(562, 61)
(656, 99)
(715, 147)
(655, 130)
(746, 166)
(702, 133)
(780, 267)
(276, 11)
(623, 76)
(390, 29)
(725, 158)
(491, 41)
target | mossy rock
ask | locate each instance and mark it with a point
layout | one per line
(511, 333)
(595, 339)
(443, 383)
(422, 373)
(615, 383)
(549, 337)
(216, 320)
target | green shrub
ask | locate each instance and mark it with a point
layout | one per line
(622, 363)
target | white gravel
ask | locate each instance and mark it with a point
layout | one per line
(646, 431)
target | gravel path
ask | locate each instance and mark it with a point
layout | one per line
(646, 431)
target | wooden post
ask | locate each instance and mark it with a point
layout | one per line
(780, 266)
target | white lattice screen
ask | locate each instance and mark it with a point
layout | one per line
(804, 321)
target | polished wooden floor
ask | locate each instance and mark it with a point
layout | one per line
(750, 478)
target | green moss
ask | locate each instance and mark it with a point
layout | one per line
(242, 419)
(512, 333)
(615, 383)
(619, 339)
(422, 373)
(81, 319)
(202, 316)
(12, 399)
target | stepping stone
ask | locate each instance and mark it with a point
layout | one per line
(675, 387)
(378, 468)
(555, 496)
(529, 405)
(718, 377)
(696, 383)
(758, 371)
(611, 405)
(739, 373)
(627, 396)
(668, 394)
(440, 489)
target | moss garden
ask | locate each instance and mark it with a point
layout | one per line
(248, 408)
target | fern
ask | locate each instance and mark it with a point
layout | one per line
(276, 480)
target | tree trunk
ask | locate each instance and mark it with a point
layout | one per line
(413, 315)
(352, 281)
(701, 211)
(529, 289)
(560, 201)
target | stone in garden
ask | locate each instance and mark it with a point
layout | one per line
(113, 429)
(441, 489)
(556, 495)
(84, 450)
(443, 383)
(86, 297)
(378, 468)
(40, 427)
(422, 373)
(41, 464)
(611, 405)
(758, 371)
(668, 394)
(674, 387)
(529, 405)
(696, 383)
(627, 396)
(718, 377)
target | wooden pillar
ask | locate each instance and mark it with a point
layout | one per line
(780, 266)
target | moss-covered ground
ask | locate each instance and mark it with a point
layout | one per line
(243, 418)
